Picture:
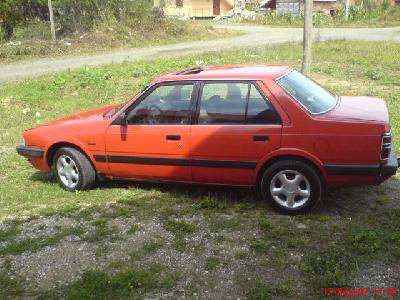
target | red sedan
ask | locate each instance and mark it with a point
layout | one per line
(263, 126)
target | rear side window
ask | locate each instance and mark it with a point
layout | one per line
(235, 103)
(308, 93)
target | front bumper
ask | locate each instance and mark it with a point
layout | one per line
(390, 168)
(30, 152)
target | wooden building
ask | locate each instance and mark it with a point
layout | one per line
(197, 8)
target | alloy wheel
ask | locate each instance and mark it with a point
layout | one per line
(67, 171)
(290, 189)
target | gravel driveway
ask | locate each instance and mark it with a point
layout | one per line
(254, 36)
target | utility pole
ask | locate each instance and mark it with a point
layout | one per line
(52, 26)
(346, 10)
(307, 37)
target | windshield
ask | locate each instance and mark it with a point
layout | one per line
(119, 107)
(307, 92)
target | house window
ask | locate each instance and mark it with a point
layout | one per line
(179, 3)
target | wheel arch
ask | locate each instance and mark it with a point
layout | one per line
(316, 165)
(58, 145)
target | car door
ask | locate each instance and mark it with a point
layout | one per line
(154, 142)
(235, 127)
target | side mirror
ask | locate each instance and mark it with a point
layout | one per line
(123, 119)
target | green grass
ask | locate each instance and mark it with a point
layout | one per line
(179, 226)
(10, 232)
(212, 229)
(36, 244)
(10, 286)
(212, 262)
(126, 284)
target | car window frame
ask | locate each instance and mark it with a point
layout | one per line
(150, 90)
(337, 98)
(202, 83)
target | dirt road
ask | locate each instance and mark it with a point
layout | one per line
(254, 36)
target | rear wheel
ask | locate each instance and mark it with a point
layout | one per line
(73, 170)
(291, 186)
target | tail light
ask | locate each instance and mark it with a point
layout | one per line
(386, 145)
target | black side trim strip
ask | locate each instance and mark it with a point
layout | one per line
(234, 164)
(100, 158)
(32, 152)
(353, 170)
(148, 160)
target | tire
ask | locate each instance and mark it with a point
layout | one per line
(73, 170)
(291, 186)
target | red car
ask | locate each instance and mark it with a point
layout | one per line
(259, 126)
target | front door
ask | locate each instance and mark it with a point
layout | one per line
(236, 127)
(154, 144)
(216, 7)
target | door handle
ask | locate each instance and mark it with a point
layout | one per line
(260, 138)
(173, 137)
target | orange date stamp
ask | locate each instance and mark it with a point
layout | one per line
(390, 292)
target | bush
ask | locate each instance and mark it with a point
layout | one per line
(79, 16)
(75, 15)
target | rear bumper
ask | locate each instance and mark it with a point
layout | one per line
(30, 152)
(346, 174)
(390, 168)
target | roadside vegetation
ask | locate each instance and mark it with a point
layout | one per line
(86, 27)
(126, 239)
(365, 13)
(33, 40)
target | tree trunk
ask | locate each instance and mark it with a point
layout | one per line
(346, 10)
(52, 26)
(8, 29)
(307, 37)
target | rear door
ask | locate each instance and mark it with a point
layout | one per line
(234, 128)
(155, 143)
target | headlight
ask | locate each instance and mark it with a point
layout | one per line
(22, 141)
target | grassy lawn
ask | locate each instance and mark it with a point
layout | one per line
(134, 240)
(33, 40)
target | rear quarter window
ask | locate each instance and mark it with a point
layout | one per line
(308, 93)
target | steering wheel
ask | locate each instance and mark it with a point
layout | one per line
(155, 107)
(154, 113)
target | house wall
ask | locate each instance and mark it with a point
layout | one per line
(294, 7)
(326, 6)
(194, 8)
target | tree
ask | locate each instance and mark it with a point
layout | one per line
(14, 12)
(10, 15)
(307, 37)
(52, 26)
(346, 10)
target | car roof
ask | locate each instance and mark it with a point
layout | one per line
(239, 72)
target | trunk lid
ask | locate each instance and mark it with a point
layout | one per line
(361, 108)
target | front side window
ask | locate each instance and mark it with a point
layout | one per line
(308, 93)
(167, 104)
(234, 103)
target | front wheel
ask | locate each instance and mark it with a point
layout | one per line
(291, 186)
(73, 170)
